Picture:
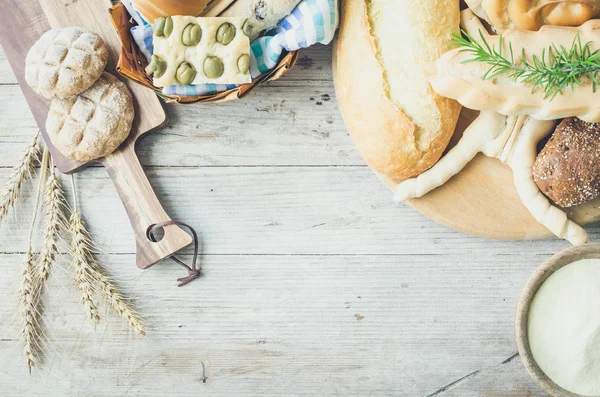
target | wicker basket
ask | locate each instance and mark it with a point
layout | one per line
(132, 64)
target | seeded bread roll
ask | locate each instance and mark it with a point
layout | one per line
(398, 123)
(567, 170)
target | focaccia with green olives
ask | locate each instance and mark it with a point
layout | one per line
(190, 50)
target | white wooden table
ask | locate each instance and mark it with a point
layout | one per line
(314, 281)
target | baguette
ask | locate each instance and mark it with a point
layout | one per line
(451, 76)
(398, 123)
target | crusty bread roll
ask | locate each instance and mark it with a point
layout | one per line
(153, 9)
(567, 169)
(400, 126)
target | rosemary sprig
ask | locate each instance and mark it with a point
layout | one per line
(555, 69)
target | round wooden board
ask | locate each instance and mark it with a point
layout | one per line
(482, 200)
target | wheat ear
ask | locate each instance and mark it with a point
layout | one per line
(54, 221)
(81, 255)
(29, 291)
(29, 309)
(89, 274)
(111, 295)
(20, 172)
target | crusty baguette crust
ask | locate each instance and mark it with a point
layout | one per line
(383, 134)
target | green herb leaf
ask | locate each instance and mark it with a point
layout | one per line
(555, 69)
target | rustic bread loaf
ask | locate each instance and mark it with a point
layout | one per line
(153, 9)
(567, 170)
(398, 123)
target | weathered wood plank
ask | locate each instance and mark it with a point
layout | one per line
(277, 127)
(275, 210)
(6, 74)
(508, 378)
(281, 325)
(279, 124)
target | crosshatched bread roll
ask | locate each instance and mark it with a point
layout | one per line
(153, 9)
(398, 123)
(65, 62)
(94, 123)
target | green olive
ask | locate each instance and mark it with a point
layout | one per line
(246, 27)
(213, 67)
(158, 66)
(226, 33)
(244, 63)
(163, 27)
(186, 73)
(192, 34)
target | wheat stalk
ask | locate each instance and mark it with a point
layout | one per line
(35, 275)
(20, 172)
(81, 258)
(109, 292)
(80, 254)
(29, 310)
(28, 293)
(54, 220)
(91, 277)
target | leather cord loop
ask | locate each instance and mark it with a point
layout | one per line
(193, 271)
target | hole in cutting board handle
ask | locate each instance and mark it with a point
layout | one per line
(155, 234)
(193, 270)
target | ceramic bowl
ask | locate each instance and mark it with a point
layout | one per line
(559, 260)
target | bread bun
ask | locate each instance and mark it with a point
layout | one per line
(567, 170)
(399, 125)
(153, 9)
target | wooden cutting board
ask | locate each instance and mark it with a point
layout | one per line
(23, 22)
(482, 200)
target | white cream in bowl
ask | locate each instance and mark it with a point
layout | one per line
(564, 327)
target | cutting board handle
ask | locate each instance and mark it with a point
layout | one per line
(143, 207)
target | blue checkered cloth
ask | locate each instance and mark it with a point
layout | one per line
(313, 21)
